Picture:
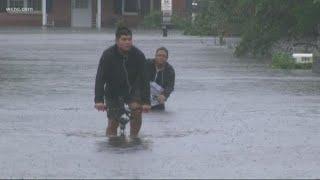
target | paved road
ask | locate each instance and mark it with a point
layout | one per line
(228, 117)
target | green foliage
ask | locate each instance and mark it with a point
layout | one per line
(282, 61)
(259, 22)
(303, 66)
(180, 22)
(153, 20)
(218, 17)
(285, 61)
(200, 26)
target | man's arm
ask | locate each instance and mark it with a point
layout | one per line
(148, 69)
(100, 80)
(144, 85)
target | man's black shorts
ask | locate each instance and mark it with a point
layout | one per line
(115, 106)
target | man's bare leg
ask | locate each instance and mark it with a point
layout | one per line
(136, 121)
(112, 128)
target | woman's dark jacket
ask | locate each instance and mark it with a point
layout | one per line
(165, 78)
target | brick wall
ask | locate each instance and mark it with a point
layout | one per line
(107, 16)
(179, 7)
(61, 13)
(60, 16)
(7, 19)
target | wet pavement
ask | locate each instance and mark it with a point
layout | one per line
(228, 117)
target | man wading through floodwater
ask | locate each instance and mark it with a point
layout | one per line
(121, 78)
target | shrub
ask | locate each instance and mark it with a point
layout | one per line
(285, 61)
(180, 22)
(153, 20)
(282, 61)
(303, 66)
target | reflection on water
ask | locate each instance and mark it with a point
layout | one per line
(118, 144)
(84, 134)
(122, 144)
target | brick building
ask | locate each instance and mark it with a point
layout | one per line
(81, 13)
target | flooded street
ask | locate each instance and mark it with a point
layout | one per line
(227, 118)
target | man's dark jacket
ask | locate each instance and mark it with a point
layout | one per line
(118, 75)
(165, 78)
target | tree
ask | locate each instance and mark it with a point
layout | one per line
(259, 22)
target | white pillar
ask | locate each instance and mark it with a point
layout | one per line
(98, 16)
(44, 12)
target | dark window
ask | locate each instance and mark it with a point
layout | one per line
(117, 6)
(35, 4)
(145, 7)
(3, 5)
(49, 5)
(16, 3)
(130, 6)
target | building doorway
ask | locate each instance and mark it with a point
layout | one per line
(81, 13)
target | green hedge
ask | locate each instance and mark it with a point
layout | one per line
(285, 61)
(153, 20)
(282, 61)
